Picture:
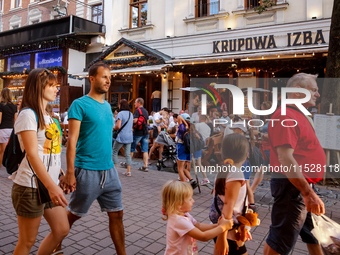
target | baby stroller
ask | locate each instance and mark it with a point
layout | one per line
(169, 152)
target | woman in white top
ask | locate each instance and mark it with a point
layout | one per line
(230, 193)
(39, 136)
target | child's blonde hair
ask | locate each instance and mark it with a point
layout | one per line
(217, 114)
(173, 195)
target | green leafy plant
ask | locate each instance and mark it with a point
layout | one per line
(264, 6)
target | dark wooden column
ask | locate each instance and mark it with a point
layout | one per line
(135, 88)
(64, 86)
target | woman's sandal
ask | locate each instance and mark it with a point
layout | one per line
(143, 169)
(127, 174)
(123, 164)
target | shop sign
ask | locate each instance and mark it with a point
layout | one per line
(16, 82)
(268, 42)
(48, 59)
(18, 63)
(125, 53)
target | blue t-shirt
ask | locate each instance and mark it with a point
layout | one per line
(125, 136)
(246, 169)
(265, 128)
(94, 151)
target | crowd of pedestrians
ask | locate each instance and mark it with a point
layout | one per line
(96, 136)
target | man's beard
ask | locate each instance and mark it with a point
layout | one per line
(99, 90)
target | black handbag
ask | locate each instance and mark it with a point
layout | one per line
(116, 132)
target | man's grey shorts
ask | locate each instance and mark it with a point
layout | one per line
(103, 185)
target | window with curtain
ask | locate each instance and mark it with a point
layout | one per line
(138, 13)
(207, 7)
(97, 13)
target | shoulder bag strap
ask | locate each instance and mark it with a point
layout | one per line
(124, 124)
(141, 114)
(245, 205)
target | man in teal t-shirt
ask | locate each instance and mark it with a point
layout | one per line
(90, 171)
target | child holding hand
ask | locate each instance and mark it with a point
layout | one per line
(182, 229)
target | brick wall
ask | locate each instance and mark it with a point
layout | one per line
(39, 10)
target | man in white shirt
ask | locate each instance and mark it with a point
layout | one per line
(173, 123)
(157, 122)
(171, 117)
(196, 115)
(203, 128)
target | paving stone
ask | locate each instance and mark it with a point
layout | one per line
(154, 248)
(88, 251)
(105, 242)
(133, 249)
(145, 231)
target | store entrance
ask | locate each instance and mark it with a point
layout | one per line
(121, 88)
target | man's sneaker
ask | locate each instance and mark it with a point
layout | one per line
(205, 182)
(193, 184)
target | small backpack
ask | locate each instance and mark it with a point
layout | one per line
(13, 154)
(141, 122)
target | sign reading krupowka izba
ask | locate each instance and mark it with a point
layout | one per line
(268, 42)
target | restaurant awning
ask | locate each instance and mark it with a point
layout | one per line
(132, 70)
(143, 69)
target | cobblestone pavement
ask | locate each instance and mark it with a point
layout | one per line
(144, 228)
